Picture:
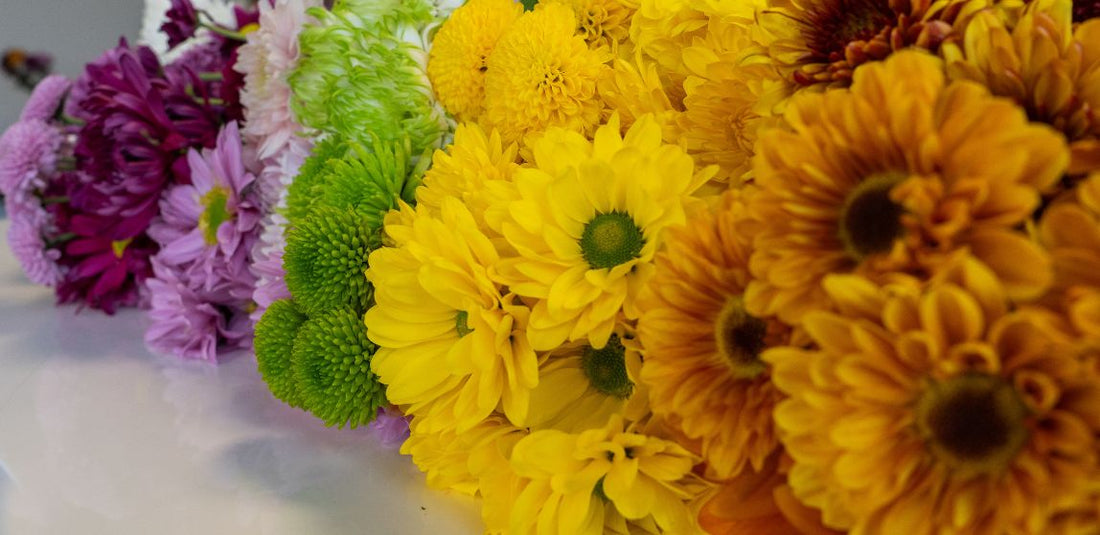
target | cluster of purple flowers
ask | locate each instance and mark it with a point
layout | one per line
(129, 187)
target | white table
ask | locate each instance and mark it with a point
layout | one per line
(98, 436)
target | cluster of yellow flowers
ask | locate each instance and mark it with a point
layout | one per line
(758, 266)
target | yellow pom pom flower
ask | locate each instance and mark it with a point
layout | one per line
(588, 220)
(451, 347)
(457, 60)
(602, 23)
(542, 74)
(937, 410)
(897, 175)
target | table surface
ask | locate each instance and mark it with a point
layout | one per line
(99, 436)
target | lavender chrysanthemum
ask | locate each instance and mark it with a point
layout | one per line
(390, 426)
(37, 259)
(46, 98)
(28, 150)
(187, 323)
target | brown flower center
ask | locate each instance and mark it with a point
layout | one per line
(741, 337)
(973, 422)
(837, 23)
(1085, 9)
(870, 220)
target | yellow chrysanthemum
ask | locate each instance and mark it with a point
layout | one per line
(945, 413)
(819, 43)
(542, 74)
(451, 347)
(760, 503)
(588, 221)
(1044, 64)
(895, 176)
(473, 169)
(610, 480)
(635, 88)
(728, 99)
(453, 460)
(602, 23)
(1070, 230)
(702, 348)
(457, 60)
(580, 387)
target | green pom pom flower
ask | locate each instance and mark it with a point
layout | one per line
(326, 260)
(371, 182)
(313, 175)
(331, 362)
(274, 343)
(362, 71)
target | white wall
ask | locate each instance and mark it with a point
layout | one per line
(73, 31)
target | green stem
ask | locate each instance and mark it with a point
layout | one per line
(55, 200)
(211, 76)
(69, 119)
(224, 32)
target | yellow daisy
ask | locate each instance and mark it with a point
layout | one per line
(474, 169)
(542, 74)
(451, 347)
(602, 23)
(606, 480)
(453, 460)
(580, 386)
(588, 221)
(457, 60)
(946, 413)
(636, 88)
(702, 348)
(819, 43)
(1044, 64)
(896, 175)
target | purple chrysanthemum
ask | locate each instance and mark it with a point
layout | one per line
(390, 426)
(25, 238)
(187, 322)
(105, 262)
(182, 21)
(46, 98)
(206, 230)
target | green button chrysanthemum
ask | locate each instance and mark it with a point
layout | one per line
(312, 176)
(331, 363)
(326, 257)
(274, 343)
(362, 72)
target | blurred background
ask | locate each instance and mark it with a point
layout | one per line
(74, 32)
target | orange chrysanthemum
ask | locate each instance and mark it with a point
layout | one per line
(820, 43)
(945, 412)
(702, 349)
(1043, 63)
(897, 175)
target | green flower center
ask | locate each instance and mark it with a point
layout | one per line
(215, 212)
(119, 246)
(870, 220)
(605, 369)
(973, 422)
(740, 338)
(460, 323)
(611, 239)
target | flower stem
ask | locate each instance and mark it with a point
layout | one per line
(211, 76)
(223, 31)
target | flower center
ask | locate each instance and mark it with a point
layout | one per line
(611, 239)
(460, 323)
(605, 369)
(1085, 9)
(215, 212)
(833, 25)
(741, 338)
(869, 220)
(973, 421)
(119, 247)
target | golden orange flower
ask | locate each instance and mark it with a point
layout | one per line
(702, 348)
(896, 175)
(1044, 64)
(944, 411)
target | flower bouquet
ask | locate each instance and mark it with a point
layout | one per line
(620, 266)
